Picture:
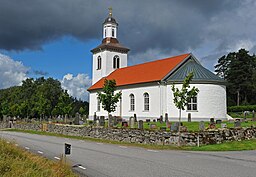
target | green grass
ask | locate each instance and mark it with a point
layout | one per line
(226, 146)
(240, 115)
(15, 161)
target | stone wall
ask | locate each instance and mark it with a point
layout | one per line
(143, 136)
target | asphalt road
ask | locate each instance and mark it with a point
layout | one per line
(97, 159)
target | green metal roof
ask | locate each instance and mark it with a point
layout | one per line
(201, 74)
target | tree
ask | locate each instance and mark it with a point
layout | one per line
(108, 98)
(182, 96)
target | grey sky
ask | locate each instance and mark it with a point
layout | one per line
(150, 28)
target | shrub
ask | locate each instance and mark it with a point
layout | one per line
(242, 108)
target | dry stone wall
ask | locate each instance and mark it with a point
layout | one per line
(143, 136)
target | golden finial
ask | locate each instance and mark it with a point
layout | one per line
(110, 11)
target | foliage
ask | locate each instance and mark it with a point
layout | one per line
(17, 162)
(181, 96)
(239, 69)
(37, 97)
(241, 108)
(108, 98)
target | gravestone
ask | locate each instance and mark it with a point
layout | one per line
(135, 117)
(76, 121)
(102, 121)
(97, 123)
(218, 121)
(212, 121)
(253, 116)
(124, 124)
(189, 117)
(152, 126)
(66, 118)
(161, 119)
(223, 125)
(147, 120)
(175, 126)
(140, 124)
(237, 124)
(132, 122)
(163, 128)
(166, 117)
(115, 122)
(5, 118)
(94, 118)
(201, 126)
(110, 121)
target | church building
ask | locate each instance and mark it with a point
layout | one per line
(146, 88)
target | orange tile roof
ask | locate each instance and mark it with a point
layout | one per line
(142, 73)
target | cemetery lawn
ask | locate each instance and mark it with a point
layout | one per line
(15, 161)
(227, 146)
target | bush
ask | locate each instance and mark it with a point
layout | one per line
(242, 108)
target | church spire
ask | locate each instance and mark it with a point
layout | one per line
(110, 11)
(110, 25)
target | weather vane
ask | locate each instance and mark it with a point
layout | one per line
(110, 11)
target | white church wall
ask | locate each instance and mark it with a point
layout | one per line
(211, 103)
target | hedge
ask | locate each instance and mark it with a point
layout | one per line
(242, 108)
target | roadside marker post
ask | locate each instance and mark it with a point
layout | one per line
(67, 150)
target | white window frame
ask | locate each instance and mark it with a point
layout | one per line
(132, 102)
(116, 62)
(146, 101)
(192, 104)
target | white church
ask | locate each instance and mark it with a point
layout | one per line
(146, 88)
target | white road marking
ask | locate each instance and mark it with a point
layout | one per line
(57, 158)
(40, 152)
(123, 147)
(82, 167)
(99, 143)
(27, 148)
(150, 150)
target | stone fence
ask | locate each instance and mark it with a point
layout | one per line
(142, 136)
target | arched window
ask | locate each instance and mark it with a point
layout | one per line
(116, 62)
(99, 62)
(113, 33)
(98, 104)
(132, 102)
(146, 101)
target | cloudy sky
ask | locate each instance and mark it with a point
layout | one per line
(53, 38)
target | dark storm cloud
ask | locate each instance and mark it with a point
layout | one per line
(166, 25)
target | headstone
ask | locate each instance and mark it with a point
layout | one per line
(97, 123)
(218, 121)
(161, 119)
(212, 120)
(76, 122)
(5, 118)
(94, 118)
(201, 126)
(175, 126)
(66, 118)
(132, 122)
(212, 126)
(253, 116)
(223, 125)
(110, 121)
(166, 117)
(140, 124)
(152, 126)
(189, 117)
(135, 117)
(124, 124)
(147, 120)
(237, 124)
(102, 121)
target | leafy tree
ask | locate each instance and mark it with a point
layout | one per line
(182, 96)
(107, 97)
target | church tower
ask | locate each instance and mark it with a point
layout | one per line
(110, 54)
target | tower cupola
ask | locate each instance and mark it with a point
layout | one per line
(110, 26)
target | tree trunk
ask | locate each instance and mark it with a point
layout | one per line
(179, 127)
(238, 97)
